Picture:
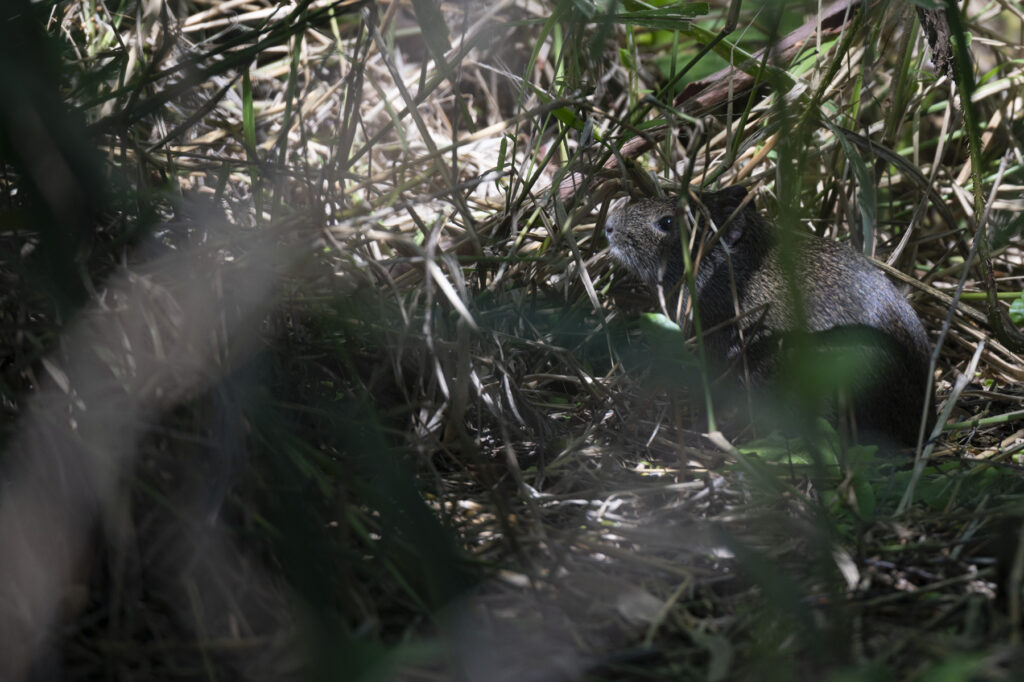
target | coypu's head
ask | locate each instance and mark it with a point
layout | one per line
(644, 235)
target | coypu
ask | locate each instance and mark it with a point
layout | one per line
(847, 304)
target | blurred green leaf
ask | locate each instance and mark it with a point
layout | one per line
(668, 342)
(433, 28)
(956, 668)
(668, 18)
(1017, 310)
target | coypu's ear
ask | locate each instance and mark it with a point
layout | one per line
(722, 207)
(733, 195)
(639, 182)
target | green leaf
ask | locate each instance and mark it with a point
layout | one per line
(249, 137)
(956, 668)
(248, 115)
(433, 28)
(567, 117)
(667, 340)
(1017, 310)
(502, 153)
(666, 18)
(659, 321)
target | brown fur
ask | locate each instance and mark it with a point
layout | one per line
(848, 305)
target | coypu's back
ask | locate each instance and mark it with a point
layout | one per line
(847, 304)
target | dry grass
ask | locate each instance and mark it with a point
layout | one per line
(337, 381)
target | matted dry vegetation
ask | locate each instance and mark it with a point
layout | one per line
(315, 366)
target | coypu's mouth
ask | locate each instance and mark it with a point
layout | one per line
(620, 255)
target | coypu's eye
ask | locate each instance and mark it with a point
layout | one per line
(665, 223)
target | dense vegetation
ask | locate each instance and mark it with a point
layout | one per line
(314, 365)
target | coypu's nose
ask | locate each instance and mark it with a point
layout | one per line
(609, 224)
(616, 212)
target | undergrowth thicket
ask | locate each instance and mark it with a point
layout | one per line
(314, 365)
